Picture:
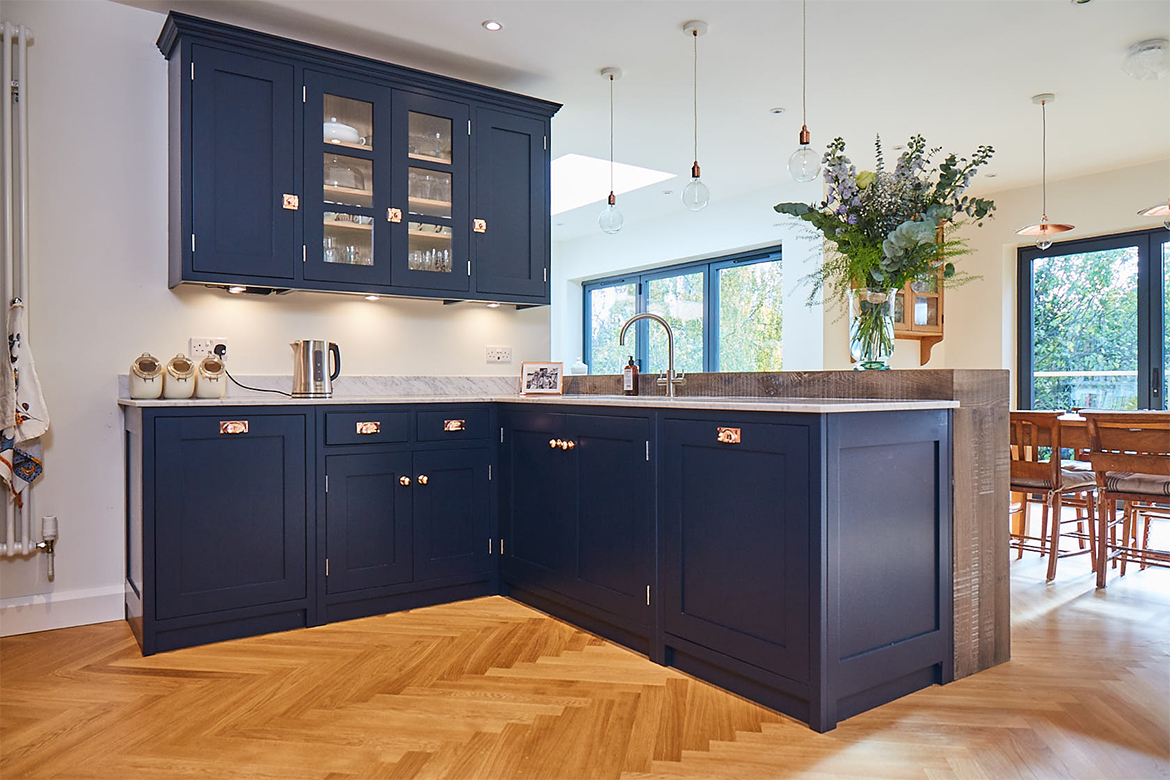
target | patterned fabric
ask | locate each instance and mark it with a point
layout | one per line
(20, 447)
(1128, 482)
(1070, 479)
(1076, 465)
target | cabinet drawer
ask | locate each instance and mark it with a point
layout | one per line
(373, 427)
(454, 424)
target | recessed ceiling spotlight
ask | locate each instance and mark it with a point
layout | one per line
(990, 175)
(372, 298)
(899, 147)
(777, 110)
(668, 192)
(236, 289)
(494, 305)
(1081, 2)
(560, 224)
(491, 25)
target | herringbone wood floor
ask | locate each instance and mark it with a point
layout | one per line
(490, 688)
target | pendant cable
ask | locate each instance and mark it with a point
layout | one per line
(695, 94)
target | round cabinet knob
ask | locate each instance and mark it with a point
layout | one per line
(404, 481)
(553, 443)
(422, 479)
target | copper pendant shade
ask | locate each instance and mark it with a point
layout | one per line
(1157, 210)
(1044, 228)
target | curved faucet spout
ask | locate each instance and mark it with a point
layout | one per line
(671, 379)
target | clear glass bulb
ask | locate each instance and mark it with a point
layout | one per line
(805, 164)
(1043, 243)
(610, 220)
(696, 196)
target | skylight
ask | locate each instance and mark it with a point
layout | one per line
(578, 180)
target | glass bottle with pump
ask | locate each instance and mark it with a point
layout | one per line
(630, 378)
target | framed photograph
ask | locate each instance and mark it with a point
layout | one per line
(541, 378)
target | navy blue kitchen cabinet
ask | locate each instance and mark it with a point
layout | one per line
(298, 167)
(241, 133)
(577, 518)
(219, 522)
(369, 531)
(409, 508)
(511, 206)
(806, 559)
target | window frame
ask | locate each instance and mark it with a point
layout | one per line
(1151, 385)
(709, 267)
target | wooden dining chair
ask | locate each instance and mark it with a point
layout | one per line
(1130, 453)
(1036, 469)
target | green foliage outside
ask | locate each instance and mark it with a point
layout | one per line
(1084, 318)
(610, 307)
(679, 301)
(750, 318)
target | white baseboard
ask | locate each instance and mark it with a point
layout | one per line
(44, 612)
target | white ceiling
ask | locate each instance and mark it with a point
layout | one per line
(960, 72)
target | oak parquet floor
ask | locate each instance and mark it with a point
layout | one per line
(492, 689)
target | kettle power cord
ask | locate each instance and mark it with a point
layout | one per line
(256, 389)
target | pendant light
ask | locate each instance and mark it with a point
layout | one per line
(610, 220)
(1044, 229)
(696, 196)
(805, 163)
(1158, 210)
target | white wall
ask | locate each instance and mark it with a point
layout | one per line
(99, 297)
(981, 316)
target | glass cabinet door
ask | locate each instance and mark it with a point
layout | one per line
(347, 162)
(430, 188)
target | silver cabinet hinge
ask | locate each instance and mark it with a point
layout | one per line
(647, 450)
(326, 567)
(192, 242)
(304, 94)
(326, 483)
(647, 595)
(489, 472)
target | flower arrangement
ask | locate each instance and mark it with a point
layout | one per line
(888, 227)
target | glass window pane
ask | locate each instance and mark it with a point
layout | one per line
(750, 317)
(429, 248)
(926, 310)
(349, 239)
(430, 193)
(430, 138)
(1085, 330)
(609, 308)
(678, 300)
(1165, 318)
(348, 122)
(349, 181)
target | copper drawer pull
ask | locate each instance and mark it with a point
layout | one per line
(233, 426)
(727, 435)
(479, 225)
(393, 215)
(365, 428)
(291, 202)
(454, 425)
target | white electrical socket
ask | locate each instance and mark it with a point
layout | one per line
(203, 346)
(499, 354)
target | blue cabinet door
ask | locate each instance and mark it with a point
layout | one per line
(610, 519)
(368, 535)
(347, 181)
(533, 502)
(242, 163)
(735, 541)
(230, 513)
(512, 198)
(430, 194)
(451, 513)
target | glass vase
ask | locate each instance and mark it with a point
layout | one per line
(871, 328)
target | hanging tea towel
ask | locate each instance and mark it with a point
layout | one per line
(20, 452)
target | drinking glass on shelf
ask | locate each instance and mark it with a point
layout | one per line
(330, 250)
(428, 186)
(413, 191)
(438, 144)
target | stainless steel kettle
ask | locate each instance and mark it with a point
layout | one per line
(310, 377)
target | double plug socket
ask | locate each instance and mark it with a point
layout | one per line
(201, 346)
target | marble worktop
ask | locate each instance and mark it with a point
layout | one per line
(416, 390)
